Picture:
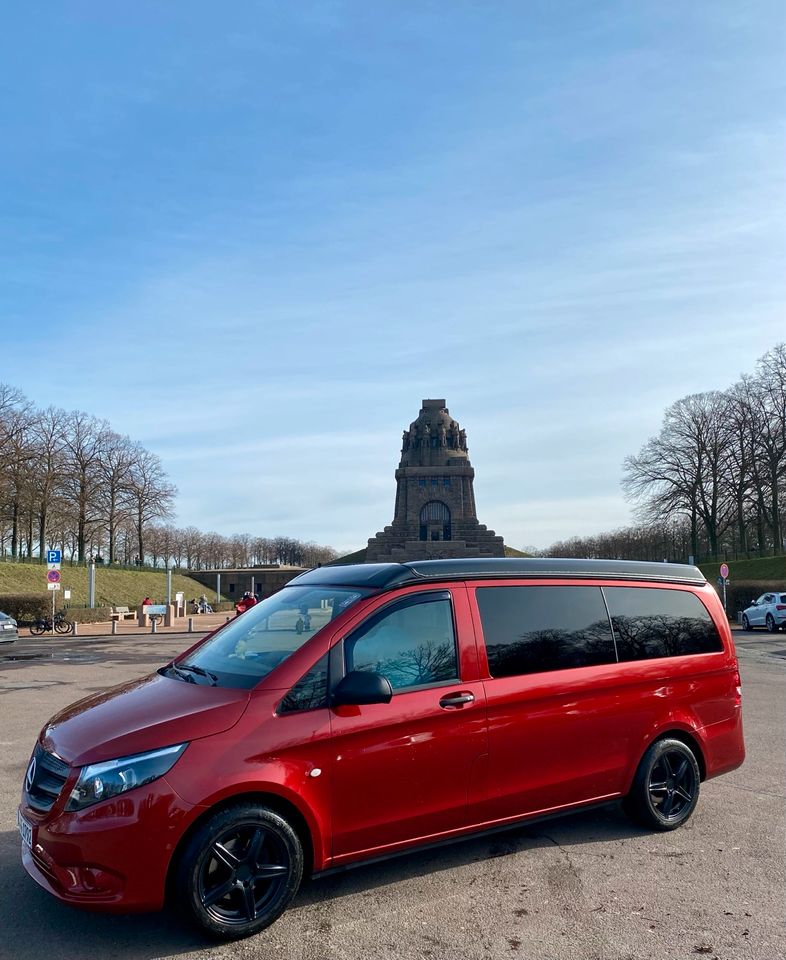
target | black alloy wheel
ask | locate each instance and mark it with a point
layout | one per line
(62, 625)
(666, 786)
(240, 871)
(746, 624)
(771, 623)
(38, 627)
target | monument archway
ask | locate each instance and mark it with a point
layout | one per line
(435, 521)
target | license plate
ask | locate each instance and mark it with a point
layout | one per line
(25, 829)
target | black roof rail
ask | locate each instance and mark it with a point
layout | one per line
(385, 576)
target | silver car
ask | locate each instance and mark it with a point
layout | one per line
(8, 629)
(768, 611)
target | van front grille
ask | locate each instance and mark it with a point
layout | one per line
(49, 775)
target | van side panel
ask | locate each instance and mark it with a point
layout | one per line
(577, 735)
(555, 739)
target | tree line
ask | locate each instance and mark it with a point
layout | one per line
(712, 481)
(68, 480)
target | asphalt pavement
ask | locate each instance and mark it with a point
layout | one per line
(589, 886)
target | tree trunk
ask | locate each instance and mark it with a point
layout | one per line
(42, 534)
(760, 528)
(15, 530)
(80, 538)
(694, 534)
(742, 531)
(139, 525)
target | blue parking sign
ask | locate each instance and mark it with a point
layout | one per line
(53, 556)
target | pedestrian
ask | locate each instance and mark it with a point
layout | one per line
(246, 603)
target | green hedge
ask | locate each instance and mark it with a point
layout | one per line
(86, 615)
(26, 607)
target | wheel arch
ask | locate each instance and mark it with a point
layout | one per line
(689, 738)
(273, 801)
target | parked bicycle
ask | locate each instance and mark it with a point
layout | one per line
(45, 625)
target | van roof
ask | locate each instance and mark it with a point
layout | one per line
(385, 576)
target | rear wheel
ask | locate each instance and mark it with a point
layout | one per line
(63, 626)
(665, 789)
(38, 627)
(771, 623)
(239, 871)
(746, 624)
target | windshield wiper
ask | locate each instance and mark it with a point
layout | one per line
(202, 673)
(179, 672)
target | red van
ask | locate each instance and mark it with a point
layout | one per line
(413, 703)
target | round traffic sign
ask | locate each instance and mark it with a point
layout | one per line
(53, 576)
(724, 570)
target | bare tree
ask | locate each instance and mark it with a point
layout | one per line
(150, 493)
(48, 429)
(114, 498)
(683, 469)
(83, 443)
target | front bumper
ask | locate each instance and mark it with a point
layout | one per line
(113, 856)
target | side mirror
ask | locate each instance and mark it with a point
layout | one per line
(360, 687)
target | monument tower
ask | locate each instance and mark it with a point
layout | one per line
(435, 514)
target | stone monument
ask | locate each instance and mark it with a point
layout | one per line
(435, 516)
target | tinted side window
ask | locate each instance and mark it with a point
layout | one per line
(410, 644)
(534, 629)
(310, 692)
(653, 622)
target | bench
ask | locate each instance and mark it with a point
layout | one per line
(120, 613)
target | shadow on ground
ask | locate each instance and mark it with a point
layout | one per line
(36, 925)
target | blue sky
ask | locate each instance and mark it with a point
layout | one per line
(255, 235)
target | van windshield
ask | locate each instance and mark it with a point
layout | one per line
(245, 651)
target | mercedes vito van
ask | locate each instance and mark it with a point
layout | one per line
(366, 710)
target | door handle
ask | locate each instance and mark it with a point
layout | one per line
(456, 700)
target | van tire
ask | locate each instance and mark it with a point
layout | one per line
(665, 789)
(239, 871)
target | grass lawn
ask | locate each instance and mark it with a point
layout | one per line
(113, 587)
(759, 569)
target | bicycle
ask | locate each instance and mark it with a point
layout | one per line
(45, 625)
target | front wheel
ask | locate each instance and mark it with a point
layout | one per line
(665, 789)
(746, 624)
(63, 626)
(239, 871)
(38, 627)
(771, 623)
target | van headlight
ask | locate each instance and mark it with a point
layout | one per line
(100, 781)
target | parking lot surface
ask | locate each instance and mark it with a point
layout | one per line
(588, 886)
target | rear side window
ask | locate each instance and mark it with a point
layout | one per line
(651, 623)
(411, 643)
(535, 629)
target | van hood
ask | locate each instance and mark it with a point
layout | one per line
(141, 715)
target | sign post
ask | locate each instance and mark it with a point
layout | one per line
(53, 558)
(724, 572)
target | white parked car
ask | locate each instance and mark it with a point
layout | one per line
(768, 611)
(8, 629)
